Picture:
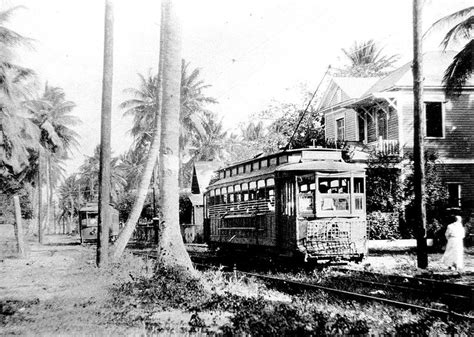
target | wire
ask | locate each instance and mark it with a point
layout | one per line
(306, 109)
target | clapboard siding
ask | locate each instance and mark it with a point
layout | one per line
(458, 141)
(330, 126)
(350, 123)
(463, 174)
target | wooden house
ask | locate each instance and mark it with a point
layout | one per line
(381, 118)
(202, 172)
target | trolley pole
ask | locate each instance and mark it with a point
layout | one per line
(419, 132)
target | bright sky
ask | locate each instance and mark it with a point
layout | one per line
(249, 51)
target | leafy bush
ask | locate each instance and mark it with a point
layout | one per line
(167, 288)
(383, 226)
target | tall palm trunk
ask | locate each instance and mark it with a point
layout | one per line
(46, 226)
(105, 134)
(151, 162)
(40, 200)
(171, 249)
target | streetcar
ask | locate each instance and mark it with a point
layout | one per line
(88, 222)
(306, 204)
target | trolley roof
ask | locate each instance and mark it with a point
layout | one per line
(304, 159)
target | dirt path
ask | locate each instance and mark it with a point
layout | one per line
(56, 290)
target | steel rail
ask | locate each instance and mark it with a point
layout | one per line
(404, 305)
(312, 286)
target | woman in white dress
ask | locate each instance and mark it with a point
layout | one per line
(454, 255)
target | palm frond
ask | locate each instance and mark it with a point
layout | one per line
(449, 19)
(460, 31)
(459, 70)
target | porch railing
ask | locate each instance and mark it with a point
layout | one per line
(387, 146)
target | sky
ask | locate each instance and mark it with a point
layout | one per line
(250, 51)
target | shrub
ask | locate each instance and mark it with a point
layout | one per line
(383, 226)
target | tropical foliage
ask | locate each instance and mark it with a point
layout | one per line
(367, 59)
(461, 68)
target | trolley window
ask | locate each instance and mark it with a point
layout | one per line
(305, 197)
(260, 189)
(358, 194)
(241, 169)
(224, 195)
(245, 193)
(334, 195)
(255, 166)
(234, 171)
(270, 191)
(253, 190)
(248, 167)
(230, 194)
(218, 196)
(237, 196)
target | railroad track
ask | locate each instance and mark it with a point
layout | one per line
(295, 285)
(452, 294)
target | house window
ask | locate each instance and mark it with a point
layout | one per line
(434, 119)
(382, 127)
(361, 128)
(340, 129)
(454, 194)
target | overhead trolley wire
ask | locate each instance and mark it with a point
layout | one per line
(307, 107)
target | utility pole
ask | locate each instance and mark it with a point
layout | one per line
(419, 133)
(105, 133)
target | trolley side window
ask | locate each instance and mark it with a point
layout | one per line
(230, 194)
(245, 192)
(237, 194)
(306, 195)
(261, 189)
(359, 190)
(253, 190)
(333, 195)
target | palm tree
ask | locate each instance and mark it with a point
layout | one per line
(19, 138)
(253, 131)
(89, 177)
(132, 163)
(142, 108)
(461, 68)
(70, 199)
(145, 103)
(171, 249)
(11, 74)
(367, 59)
(52, 114)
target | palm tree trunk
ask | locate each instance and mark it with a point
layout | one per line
(71, 217)
(171, 249)
(105, 134)
(40, 201)
(151, 162)
(46, 225)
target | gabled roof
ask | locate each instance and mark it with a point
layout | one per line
(204, 171)
(354, 87)
(341, 89)
(434, 65)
